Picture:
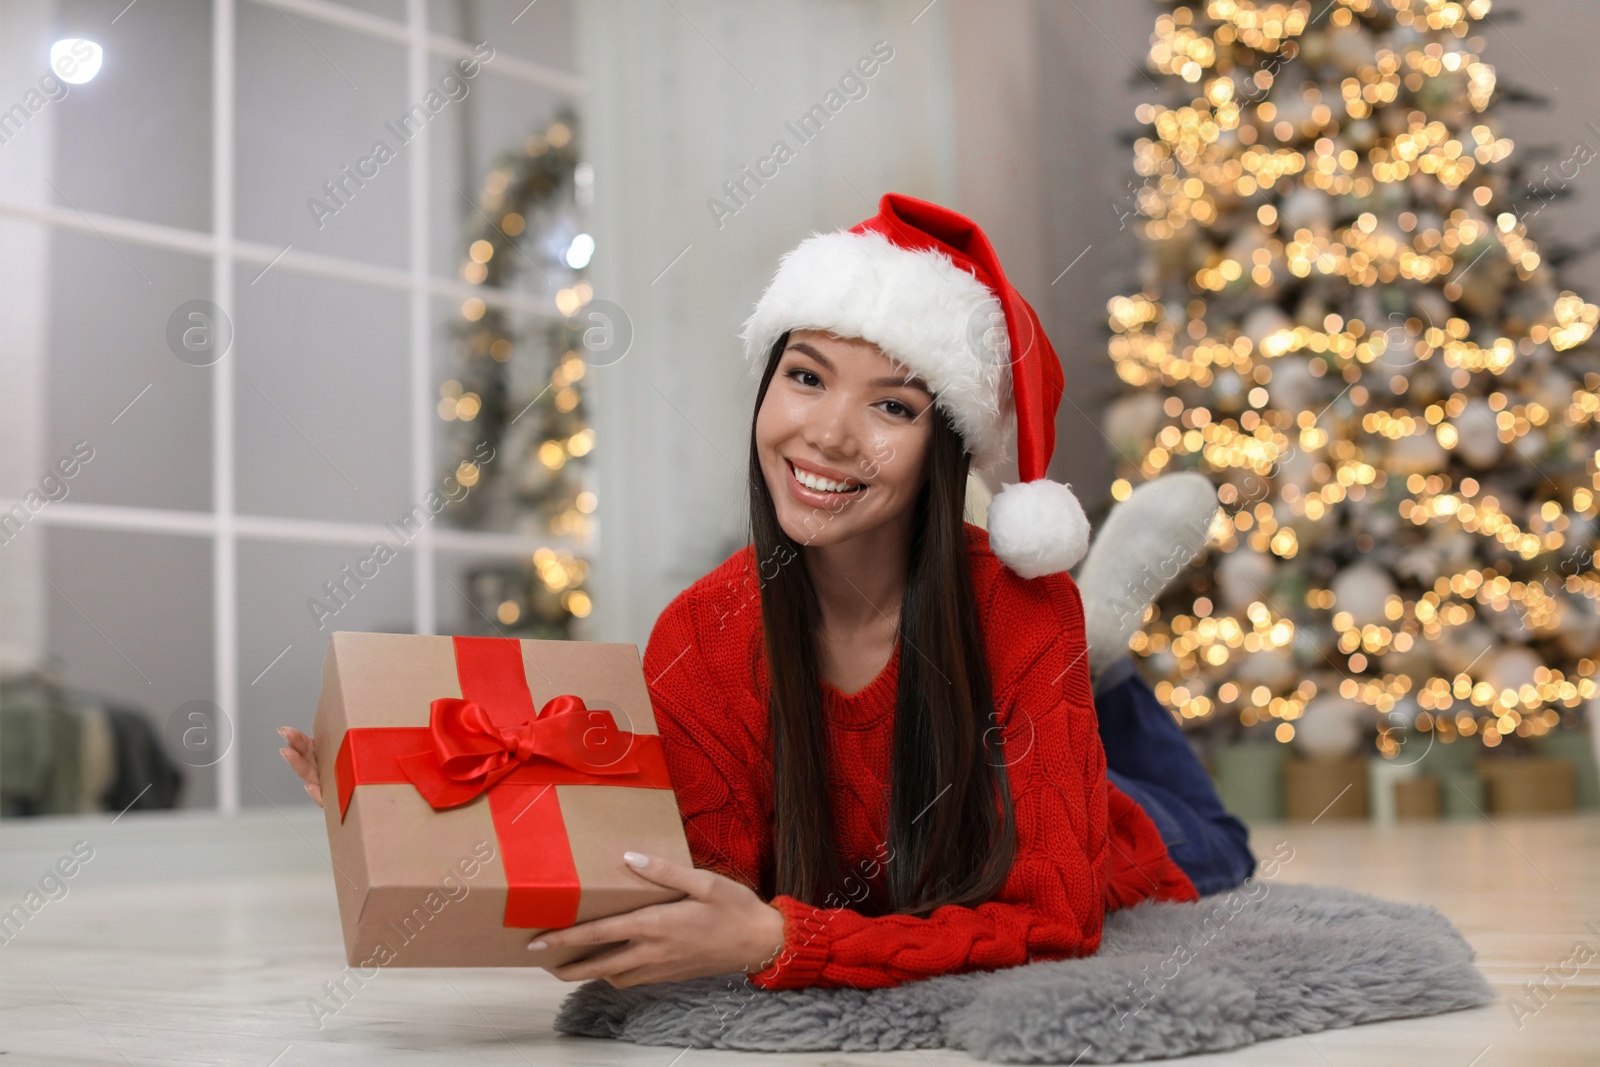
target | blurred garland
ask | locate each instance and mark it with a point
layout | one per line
(536, 424)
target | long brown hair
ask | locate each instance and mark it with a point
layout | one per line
(948, 840)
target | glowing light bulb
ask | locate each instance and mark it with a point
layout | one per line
(580, 251)
(76, 60)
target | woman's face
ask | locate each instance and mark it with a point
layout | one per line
(850, 422)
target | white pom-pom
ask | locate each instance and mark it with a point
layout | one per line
(1037, 527)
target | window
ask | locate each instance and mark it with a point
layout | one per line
(242, 462)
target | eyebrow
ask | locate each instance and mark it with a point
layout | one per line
(908, 381)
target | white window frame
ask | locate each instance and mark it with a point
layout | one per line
(222, 525)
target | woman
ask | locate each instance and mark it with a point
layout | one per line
(878, 716)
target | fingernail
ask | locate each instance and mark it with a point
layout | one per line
(535, 946)
(283, 731)
(636, 859)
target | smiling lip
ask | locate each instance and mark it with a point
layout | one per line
(825, 472)
(814, 497)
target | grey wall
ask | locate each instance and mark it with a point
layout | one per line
(23, 330)
(684, 95)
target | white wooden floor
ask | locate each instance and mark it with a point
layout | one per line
(191, 940)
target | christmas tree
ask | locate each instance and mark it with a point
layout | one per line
(516, 430)
(1344, 321)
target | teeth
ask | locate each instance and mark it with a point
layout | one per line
(821, 485)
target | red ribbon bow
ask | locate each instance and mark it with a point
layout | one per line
(470, 754)
(491, 741)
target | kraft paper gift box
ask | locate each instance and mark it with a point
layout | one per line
(478, 790)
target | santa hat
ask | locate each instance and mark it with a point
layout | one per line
(923, 283)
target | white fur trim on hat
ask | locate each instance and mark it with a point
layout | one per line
(919, 307)
(1037, 527)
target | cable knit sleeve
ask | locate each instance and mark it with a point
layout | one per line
(706, 751)
(1074, 829)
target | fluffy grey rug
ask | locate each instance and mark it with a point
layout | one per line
(1257, 962)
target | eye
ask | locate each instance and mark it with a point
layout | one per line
(803, 370)
(902, 409)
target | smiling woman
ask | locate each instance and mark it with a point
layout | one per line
(899, 752)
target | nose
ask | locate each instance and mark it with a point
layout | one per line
(832, 429)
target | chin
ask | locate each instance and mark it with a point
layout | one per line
(813, 530)
(810, 535)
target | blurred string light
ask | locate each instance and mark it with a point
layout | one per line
(1345, 320)
(525, 200)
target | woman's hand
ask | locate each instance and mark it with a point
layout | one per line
(721, 927)
(303, 759)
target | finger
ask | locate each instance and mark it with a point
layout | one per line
(315, 791)
(301, 743)
(691, 880)
(299, 763)
(296, 740)
(621, 927)
(611, 961)
(637, 976)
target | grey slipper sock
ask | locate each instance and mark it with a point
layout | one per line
(1144, 543)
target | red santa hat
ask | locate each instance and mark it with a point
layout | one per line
(923, 283)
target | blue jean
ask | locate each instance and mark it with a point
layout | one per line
(1148, 758)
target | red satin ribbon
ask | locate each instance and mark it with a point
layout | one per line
(492, 741)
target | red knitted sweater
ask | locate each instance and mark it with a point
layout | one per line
(1083, 846)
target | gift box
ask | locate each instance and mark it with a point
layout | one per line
(1531, 784)
(1249, 779)
(1417, 798)
(478, 790)
(1324, 787)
